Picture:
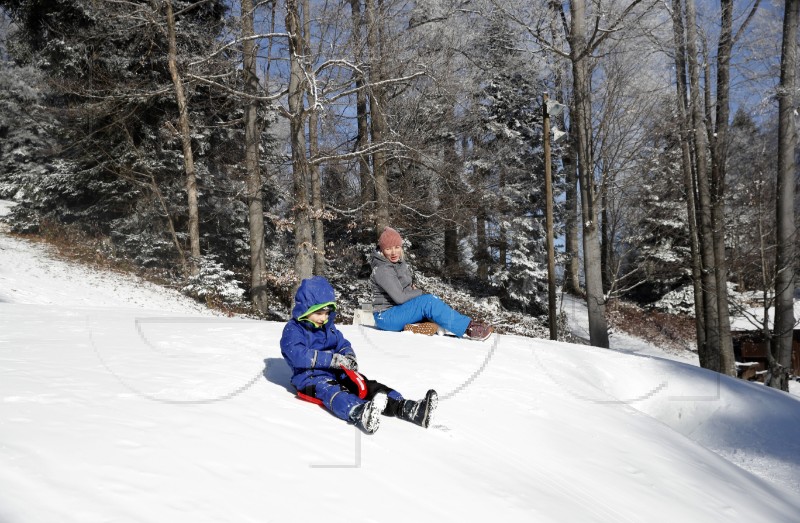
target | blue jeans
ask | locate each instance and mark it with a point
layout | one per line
(425, 307)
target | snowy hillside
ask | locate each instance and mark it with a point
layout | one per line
(120, 401)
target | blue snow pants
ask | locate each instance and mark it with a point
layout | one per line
(425, 307)
(340, 398)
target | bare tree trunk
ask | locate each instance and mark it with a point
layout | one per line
(606, 238)
(364, 174)
(252, 138)
(776, 377)
(451, 265)
(688, 183)
(502, 237)
(502, 247)
(784, 208)
(304, 256)
(316, 197)
(598, 326)
(170, 223)
(709, 354)
(719, 158)
(450, 175)
(313, 150)
(572, 280)
(377, 106)
(481, 254)
(186, 142)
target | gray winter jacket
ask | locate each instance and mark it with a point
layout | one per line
(391, 283)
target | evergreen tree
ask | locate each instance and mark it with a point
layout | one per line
(116, 167)
(656, 245)
(24, 129)
(509, 159)
(658, 237)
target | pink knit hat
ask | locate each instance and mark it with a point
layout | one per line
(389, 238)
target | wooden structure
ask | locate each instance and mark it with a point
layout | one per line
(750, 347)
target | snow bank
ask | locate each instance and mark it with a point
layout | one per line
(124, 402)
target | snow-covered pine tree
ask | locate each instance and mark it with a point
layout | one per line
(214, 285)
(24, 131)
(656, 246)
(116, 168)
(508, 158)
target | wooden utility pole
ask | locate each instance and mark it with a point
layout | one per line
(548, 187)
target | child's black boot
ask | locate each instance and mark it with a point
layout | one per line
(419, 412)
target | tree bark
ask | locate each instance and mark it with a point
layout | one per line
(686, 167)
(606, 238)
(595, 300)
(377, 108)
(170, 223)
(572, 279)
(502, 236)
(317, 210)
(452, 166)
(481, 247)
(186, 142)
(304, 255)
(709, 354)
(362, 122)
(252, 139)
(784, 208)
(719, 154)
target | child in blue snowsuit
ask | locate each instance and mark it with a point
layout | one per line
(318, 355)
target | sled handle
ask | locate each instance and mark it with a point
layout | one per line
(358, 379)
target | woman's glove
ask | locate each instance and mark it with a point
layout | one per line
(345, 362)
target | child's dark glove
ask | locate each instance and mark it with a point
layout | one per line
(345, 362)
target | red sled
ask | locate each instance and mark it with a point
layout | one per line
(310, 399)
(358, 379)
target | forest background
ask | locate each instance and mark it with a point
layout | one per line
(235, 147)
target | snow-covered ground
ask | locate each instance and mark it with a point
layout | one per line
(124, 402)
(578, 321)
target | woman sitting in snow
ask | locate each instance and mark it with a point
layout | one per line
(324, 367)
(396, 303)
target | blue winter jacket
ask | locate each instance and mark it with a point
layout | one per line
(308, 349)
